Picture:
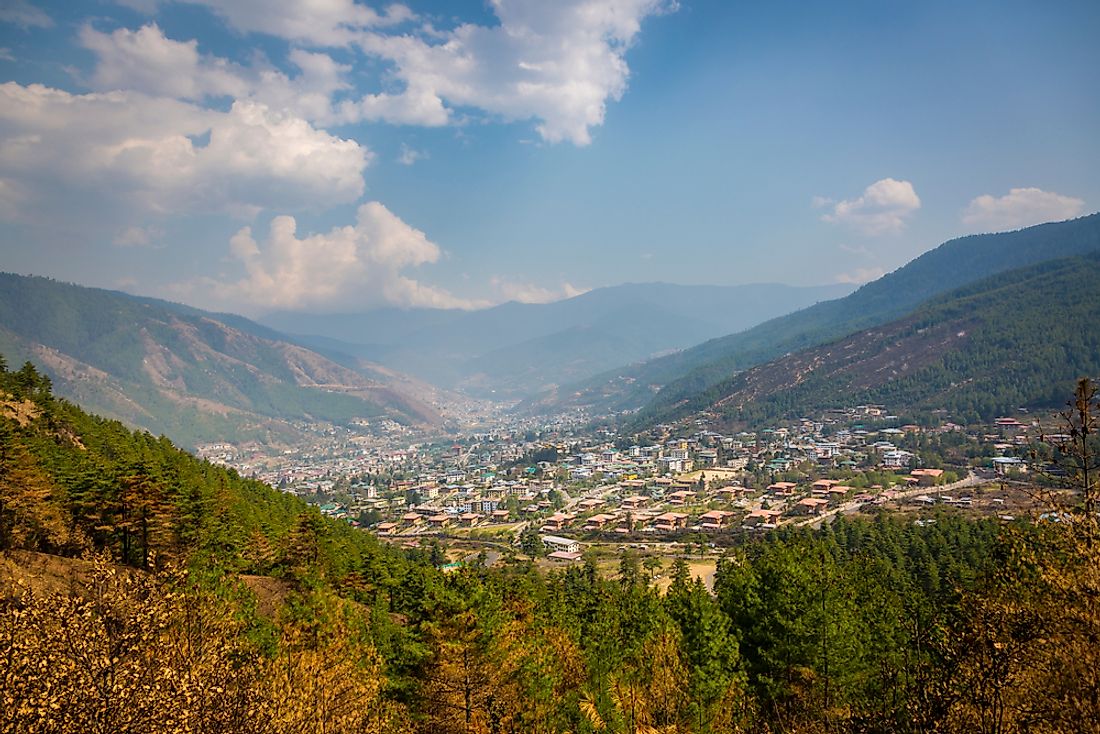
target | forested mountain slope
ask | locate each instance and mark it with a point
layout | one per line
(1018, 339)
(188, 374)
(685, 375)
(217, 604)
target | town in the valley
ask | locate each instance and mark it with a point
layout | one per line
(566, 492)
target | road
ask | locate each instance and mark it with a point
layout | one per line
(971, 480)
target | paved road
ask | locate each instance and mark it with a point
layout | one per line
(971, 480)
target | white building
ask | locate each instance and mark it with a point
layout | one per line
(558, 543)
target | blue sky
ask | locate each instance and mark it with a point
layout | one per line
(334, 155)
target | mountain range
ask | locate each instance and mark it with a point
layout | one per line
(515, 350)
(679, 383)
(1018, 339)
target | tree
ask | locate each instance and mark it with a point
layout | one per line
(530, 542)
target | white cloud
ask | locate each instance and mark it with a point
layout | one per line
(6, 54)
(319, 22)
(348, 267)
(170, 156)
(884, 208)
(411, 107)
(410, 156)
(24, 15)
(522, 292)
(555, 63)
(860, 276)
(558, 63)
(147, 61)
(1020, 208)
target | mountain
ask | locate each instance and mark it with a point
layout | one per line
(679, 382)
(1017, 339)
(516, 349)
(191, 375)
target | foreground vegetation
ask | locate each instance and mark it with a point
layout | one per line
(200, 601)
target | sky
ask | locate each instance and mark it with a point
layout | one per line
(343, 155)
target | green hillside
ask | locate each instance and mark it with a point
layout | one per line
(130, 599)
(683, 377)
(1019, 339)
(182, 372)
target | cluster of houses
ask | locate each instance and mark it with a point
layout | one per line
(596, 484)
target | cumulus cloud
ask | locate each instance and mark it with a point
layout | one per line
(1020, 208)
(555, 63)
(171, 156)
(24, 15)
(147, 61)
(348, 267)
(884, 208)
(319, 22)
(509, 290)
(558, 63)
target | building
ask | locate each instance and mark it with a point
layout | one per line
(670, 521)
(811, 505)
(715, 519)
(557, 543)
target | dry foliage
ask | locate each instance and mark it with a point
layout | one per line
(136, 653)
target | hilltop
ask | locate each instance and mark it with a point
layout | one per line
(676, 384)
(190, 374)
(1011, 341)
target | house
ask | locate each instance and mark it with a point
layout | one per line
(926, 477)
(811, 505)
(758, 518)
(635, 502)
(680, 497)
(728, 494)
(838, 492)
(386, 528)
(676, 464)
(557, 522)
(411, 519)
(670, 521)
(715, 519)
(590, 504)
(557, 543)
(500, 515)
(1006, 464)
(439, 521)
(896, 459)
(564, 556)
(469, 519)
(598, 522)
(782, 489)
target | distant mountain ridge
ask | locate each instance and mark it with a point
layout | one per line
(189, 374)
(679, 383)
(516, 349)
(1020, 338)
